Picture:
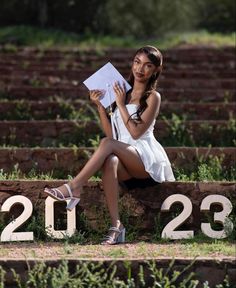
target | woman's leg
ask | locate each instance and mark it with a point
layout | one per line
(112, 171)
(127, 155)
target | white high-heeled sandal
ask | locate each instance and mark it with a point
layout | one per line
(56, 193)
(116, 239)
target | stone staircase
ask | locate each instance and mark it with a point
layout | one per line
(48, 128)
(48, 125)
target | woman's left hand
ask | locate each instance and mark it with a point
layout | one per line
(120, 94)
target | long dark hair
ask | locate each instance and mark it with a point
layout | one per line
(155, 56)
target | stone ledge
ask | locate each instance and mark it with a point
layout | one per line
(211, 270)
(55, 132)
(43, 110)
(140, 205)
(56, 159)
(171, 94)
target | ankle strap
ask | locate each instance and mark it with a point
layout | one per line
(115, 229)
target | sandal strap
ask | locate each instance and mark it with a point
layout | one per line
(69, 190)
(115, 229)
(56, 191)
(108, 237)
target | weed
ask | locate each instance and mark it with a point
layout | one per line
(211, 169)
(16, 173)
(94, 274)
(117, 253)
(158, 227)
(21, 111)
(178, 134)
(2, 276)
(9, 48)
(94, 142)
(131, 218)
(36, 225)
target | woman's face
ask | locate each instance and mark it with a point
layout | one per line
(143, 68)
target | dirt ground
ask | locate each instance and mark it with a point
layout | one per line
(141, 250)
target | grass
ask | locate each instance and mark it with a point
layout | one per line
(141, 250)
(31, 36)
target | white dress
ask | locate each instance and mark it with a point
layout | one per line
(151, 152)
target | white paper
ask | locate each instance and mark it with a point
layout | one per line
(104, 79)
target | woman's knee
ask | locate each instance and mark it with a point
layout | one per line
(111, 162)
(106, 141)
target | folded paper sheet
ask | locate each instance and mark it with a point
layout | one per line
(104, 79)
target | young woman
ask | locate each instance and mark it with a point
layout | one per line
(132, 152)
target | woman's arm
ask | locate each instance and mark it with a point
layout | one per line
(138, 128)
(105, 123)
(95, 95)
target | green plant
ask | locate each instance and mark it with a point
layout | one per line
(170, 278)
(182, 133)
(94, 142)
(37, 226)
(15, 173)
(158, 227)
(9, 48)
(2, 276)
(209, 169)
(92, 274)
(178, 134)
(130, 218)
(21, 111)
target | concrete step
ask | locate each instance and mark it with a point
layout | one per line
(65, 132)
(67, 161)
(46, 110)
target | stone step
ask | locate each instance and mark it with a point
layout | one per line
(139, 207)
(81, 92)
(120, 53)
(66, 132)
(83, 72)
(68, 161)
(51, 81)
(119, 64)
(46, 110)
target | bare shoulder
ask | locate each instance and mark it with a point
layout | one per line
(154, 98)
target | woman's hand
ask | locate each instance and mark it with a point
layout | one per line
(120, 94)
(95, 96)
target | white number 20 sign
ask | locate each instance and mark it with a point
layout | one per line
(8, 233)
(169, 231)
